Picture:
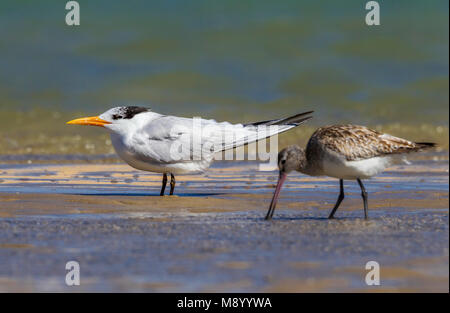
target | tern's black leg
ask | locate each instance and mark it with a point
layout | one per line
(339, 200)
(164, 183)
(172, 184)
(364, 196)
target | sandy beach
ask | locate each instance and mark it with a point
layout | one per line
(211, 236)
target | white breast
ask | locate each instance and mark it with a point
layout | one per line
(343, 169)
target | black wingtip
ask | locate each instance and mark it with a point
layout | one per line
(303, 120)
(291, 120)
(295, 119)
(426, 145)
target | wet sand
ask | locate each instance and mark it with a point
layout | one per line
(211, 236)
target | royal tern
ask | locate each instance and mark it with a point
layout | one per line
(344, 152)
(167, 144)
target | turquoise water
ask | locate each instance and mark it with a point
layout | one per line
(230, 59)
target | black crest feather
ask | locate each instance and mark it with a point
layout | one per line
(129, 112)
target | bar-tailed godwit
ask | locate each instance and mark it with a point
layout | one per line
(344, 152)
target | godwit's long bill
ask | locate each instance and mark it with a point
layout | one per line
(344, 152)
(151, 142)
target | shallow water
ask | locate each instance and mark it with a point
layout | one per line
(223, 60)
(222, 178)
(211, 236)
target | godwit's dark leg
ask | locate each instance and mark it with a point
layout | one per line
(339, 200)
(164, 183)
(364, 196)
(172, 183)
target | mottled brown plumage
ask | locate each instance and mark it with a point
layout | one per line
(358, 142)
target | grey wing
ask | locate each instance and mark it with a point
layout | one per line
(175, 139)
(172, 139)
(167, 139)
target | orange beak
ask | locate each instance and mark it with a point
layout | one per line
(93, 121)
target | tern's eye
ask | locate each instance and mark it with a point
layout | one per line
(116, 117)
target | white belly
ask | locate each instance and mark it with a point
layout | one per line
(344, 169)
(173, 168)
(149, 164)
